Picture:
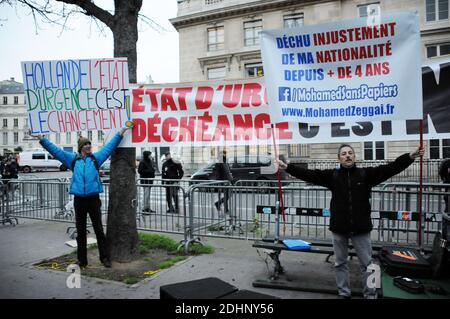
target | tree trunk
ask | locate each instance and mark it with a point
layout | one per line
(122, 236)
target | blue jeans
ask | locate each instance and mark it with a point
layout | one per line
(363, 247)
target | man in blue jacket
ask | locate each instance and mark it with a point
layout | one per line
(86, 187)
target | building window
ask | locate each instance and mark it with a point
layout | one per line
(16, 138)
(100, 136)
(5, 122)
(368, 9)
(215, 38)
(16, 100)
(374, 151)
(89, 135)
(438, 50)
(16, 122)
(436, 10)
(251, 32)
(296, 150)
(68, 138)
(293, 20)
(439, 149)
(5, 138)
(254, 70)
(5, 100)
(217, 73)
(58, 138)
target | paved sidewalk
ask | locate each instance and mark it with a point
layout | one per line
(234, 261)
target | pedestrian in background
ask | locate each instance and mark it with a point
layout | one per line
(172, 170)
(146, 169)
(222, 172)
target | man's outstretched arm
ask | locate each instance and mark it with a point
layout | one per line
(382, 173)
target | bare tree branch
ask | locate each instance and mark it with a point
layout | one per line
(91, 9)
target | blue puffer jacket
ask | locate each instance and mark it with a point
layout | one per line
(85, 178)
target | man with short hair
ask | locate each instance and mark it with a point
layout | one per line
(172, 170)
(350, 207)
(147, 170)
(86, 187)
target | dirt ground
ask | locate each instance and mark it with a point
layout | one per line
(130, 273)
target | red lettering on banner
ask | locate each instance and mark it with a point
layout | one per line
(251, 95)
(182, 97)
(282, 131)
(187, 127)
(138, 133)
(243, 127)
(203, 99)
(266, 99)
(166, 133)
(232, 95)
(222, 129)
(261, 131)
(137, 100)
(202, 127)
(167, 100)
(152, 128)
(153, 102)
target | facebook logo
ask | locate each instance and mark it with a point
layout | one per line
(284, 94)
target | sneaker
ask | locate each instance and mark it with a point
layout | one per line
(146, 210)
(217, 206)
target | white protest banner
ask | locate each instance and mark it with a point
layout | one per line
(202, 114)
(171, 115)
(345, 71)
(76, 95)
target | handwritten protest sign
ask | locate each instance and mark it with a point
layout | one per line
(76, 95)
(346, 70)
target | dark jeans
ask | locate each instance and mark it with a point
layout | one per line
(84, 206)
(224, 200)
(172, 196)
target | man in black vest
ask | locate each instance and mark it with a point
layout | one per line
(350, 207)
(147, 169)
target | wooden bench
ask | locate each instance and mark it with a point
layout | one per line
(317, 247)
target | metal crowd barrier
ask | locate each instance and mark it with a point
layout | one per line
(430, 169)
(394, 214)
(251, 209)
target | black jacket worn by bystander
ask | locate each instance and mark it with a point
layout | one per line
(351, 188)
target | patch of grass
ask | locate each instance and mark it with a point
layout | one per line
(172, 261)
(201, 249)
(152, 241)
(143, 249)
(131, 280)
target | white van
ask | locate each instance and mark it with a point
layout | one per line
(38, 159)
